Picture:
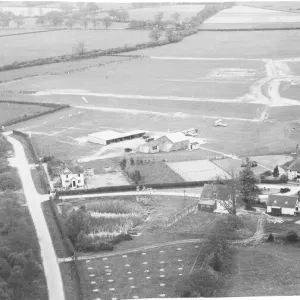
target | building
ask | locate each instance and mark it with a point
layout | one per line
(193, 146)
(109, 136)
(72, 177)
(212, 195)
(278, 205)
(173, 142)
(294, 170)
(151, 147)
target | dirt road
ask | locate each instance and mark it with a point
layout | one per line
(49, 259)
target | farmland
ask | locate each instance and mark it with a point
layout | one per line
(26, 47)
(10, 111)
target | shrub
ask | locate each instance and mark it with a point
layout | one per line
(292, 236)
(270, 238)
(267, 173)
(215, 261)
(121, 237)
(283, 178)
(9, 182)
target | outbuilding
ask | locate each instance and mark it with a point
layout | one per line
(173, 142)
(109, 136)
(207, 205)
(150, 147)
(278, 205)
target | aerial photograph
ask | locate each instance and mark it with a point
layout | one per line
(149, 150)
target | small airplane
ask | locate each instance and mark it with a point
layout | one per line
(84, 99)
(219, 123)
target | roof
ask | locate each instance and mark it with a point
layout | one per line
(282, 201)
(213, 191)
(176, 137)
(152, 143)
(207, 202)
(72, 170)
(111, 135)
(295, 166)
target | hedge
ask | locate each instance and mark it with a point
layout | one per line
(55, 107)
(30, 32)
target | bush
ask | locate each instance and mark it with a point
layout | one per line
(270, 238)
(9, 182)
(267, 173)
(292, 236)
(215, 261)
(121, 237)
(283, 178)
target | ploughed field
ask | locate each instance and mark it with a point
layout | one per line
(55, 43)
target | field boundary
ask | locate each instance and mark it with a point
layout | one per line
(32, 32)
(249, 29)
(55, 108)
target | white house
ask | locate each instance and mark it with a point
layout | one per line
(173, 142)
(278, 205)
(150, 147)
(72, 177)
(294, 170)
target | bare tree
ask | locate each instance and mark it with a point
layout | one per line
(158, 17)
(155, 34)
(70, 22)
(79, 48)
(107, 22)
(85, 22)
(19, 20)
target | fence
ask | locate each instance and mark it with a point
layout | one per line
(180, 215)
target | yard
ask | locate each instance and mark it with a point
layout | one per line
(9, 111)
(42, 45)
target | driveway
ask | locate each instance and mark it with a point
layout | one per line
(49, 259)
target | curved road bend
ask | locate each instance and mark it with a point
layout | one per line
(49, 259)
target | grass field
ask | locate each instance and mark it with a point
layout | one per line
(289, 6)
(151, 77)
(264, 44)
(26, 47)
(9, 111)
(244, 14)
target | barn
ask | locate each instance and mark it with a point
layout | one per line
(173, 142)
(278, 205)
(109, 136)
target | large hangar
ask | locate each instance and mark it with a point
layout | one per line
(109, 136)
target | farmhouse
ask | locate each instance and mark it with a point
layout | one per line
(72, 177)
(109, 136)
(294, 170)
(278, 205)
(173, 142)
(212, 195)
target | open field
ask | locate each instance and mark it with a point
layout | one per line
(271, 268)
(245, 14)
(290, 6)
(150, 78)
(197, 170)
(271, 161)
(264, 44)
(26, 47)
(9, 111)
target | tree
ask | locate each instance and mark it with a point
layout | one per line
(249, 190)
(70, 22)
(54, 18)
(131, 161)
(79, 48)
(107, 22)
(41, 20)
(170, 34)
(19, 20)
(85, 22)
(113, 14)
(158, 17)
(5, 18)
(276, 172)
(176, 17)
(284, 178)
(123, 15)
(232, 184)
(155, 34)
(123, 163)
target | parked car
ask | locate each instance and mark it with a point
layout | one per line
(128, 150)
(284, 190)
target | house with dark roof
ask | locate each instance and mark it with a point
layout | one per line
(211, 195)
(278, 205)
(294, 170)
(72, 177)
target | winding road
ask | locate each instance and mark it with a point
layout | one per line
(33, 199)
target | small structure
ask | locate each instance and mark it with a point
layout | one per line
(173, 142)
(193, 146)
(278, 205)
(294, 170)
(211, 195)
(109, 136)
(72, 177)
(151, 147)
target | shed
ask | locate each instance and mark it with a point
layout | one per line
(207, 205)
(282, 205)
(173, 142)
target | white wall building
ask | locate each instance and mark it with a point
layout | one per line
(294, 170)
(282, 205)
(72, 177)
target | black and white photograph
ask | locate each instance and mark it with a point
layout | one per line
(149, 150)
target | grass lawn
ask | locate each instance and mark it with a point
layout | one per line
(272, 160)
(9, 111)
(42, 45)
(269, 269)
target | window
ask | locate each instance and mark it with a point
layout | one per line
(78, 181)
(66, 176)
(154, 147)
(78, 175)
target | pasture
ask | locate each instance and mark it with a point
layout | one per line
(147, 78)
(271, 161)
(9, 111)
(245, 14)
(232, 44)
(197, 170)
(42, 45)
